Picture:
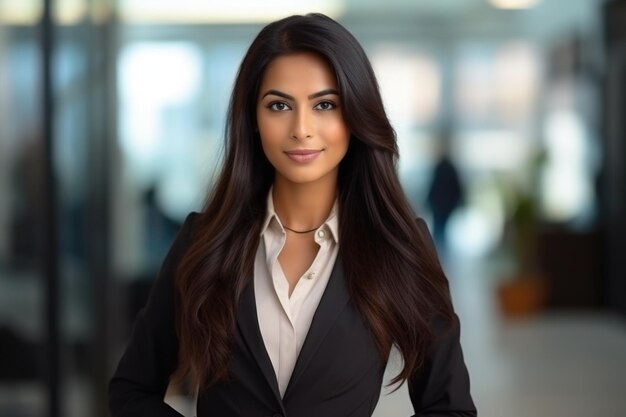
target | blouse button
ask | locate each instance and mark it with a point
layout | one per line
(321, 233)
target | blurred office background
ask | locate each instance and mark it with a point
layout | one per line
(111, 127)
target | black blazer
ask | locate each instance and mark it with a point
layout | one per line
(338, 373)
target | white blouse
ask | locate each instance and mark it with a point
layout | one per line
(284, 321)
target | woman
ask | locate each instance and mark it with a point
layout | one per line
(284, 296)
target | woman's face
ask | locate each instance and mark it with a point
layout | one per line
(299, 118)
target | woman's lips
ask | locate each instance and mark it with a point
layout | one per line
(303, 155)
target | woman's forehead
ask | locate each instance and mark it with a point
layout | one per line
(303, 72)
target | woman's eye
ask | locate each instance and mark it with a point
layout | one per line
(325, 105)
(278, 106)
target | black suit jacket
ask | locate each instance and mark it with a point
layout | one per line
(338, 372)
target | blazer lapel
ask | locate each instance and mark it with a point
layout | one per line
(248, 323)
(333, 301)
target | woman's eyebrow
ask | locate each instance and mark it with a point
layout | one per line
(312, 96)
(324, 93)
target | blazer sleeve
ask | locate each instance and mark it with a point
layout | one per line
(138, 386)
(441, 388)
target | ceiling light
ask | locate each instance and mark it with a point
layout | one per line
(514, 4)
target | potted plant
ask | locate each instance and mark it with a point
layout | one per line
(524, 291)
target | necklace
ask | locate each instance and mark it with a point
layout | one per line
(301, 231)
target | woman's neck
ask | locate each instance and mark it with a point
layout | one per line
(303, 206)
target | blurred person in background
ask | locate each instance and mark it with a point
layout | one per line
(285, 295)
(446, 191)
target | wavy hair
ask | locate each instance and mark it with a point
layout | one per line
(391, 269)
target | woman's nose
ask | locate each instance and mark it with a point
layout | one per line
(302, 125)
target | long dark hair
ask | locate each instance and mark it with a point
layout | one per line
(391, 270)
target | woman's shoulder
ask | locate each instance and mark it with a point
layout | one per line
(191, 219)
(186, 229)
(421, 223)
(423, 227)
